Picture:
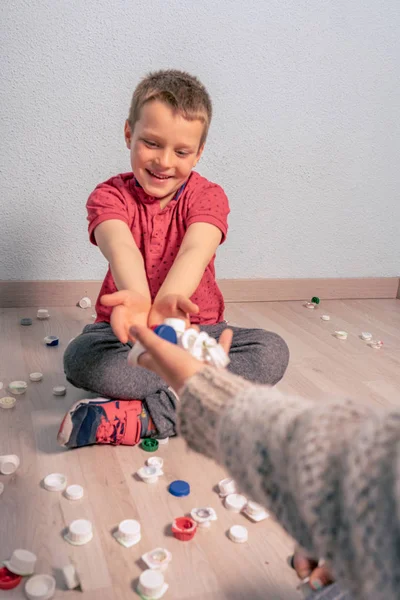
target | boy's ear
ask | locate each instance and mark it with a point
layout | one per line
(128, 134)
(199, 153)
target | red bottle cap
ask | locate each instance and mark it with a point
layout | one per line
(184, 528)
(8, 580)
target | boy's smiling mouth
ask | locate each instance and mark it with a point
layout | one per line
(158, 175)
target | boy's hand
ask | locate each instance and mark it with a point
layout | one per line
(129, 308)
(169, 361)
(172, 305)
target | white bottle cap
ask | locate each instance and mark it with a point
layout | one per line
(203, 516)
(40, 587)
(235, 502)
(79, 532)
(128, 533)
(22, 562)
(310, 305)
(18, 387)
(238, 534)
(227, 486)
(341, 335)
(163, 441)
(9, 463)
(36, 376)
(155, 461)
(325, 318)
(199, 348)
(150, 474)
(43, 313)
(55, 482)
(74, 492)
(7, 402)
(70, 577)
(255, 512)
(157, 559)
(178, 324)
(134, 354)
(188, 338)
(366, 335)
(59, 390)
(151, 584)
(217, 356)
(85, 302)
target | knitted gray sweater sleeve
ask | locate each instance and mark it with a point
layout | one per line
(329, 472)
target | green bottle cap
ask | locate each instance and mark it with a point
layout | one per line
(149, 444)
(315, 299)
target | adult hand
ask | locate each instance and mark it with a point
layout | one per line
(169, 361)
(172, 305)
(129, 308)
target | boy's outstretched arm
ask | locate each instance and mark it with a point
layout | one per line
(131, 305)
(197, 249)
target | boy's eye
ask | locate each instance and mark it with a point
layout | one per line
(182, 152)
(150, 144)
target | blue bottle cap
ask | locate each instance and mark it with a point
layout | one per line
(166, 332)
(179, 488)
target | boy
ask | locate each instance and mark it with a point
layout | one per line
(159, 227)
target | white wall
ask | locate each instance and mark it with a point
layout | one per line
(305, 138)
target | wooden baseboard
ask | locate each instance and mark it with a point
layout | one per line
(67, 293)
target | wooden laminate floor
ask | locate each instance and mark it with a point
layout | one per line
(210, 567)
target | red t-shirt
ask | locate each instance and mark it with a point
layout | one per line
(159, 233)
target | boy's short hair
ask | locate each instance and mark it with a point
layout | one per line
(184, 93)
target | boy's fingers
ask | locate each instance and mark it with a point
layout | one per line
(114, 299)
(226, 339)
(187, 305)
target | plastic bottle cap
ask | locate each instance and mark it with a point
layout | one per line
(59, 390)
(163, 441)
(149, 474)
(7, 402)
(217, 357)
(22, 562)
(149, 444)
(166, 332)
(179, 488)
(36, 376)
(310, 305)
(203, 516)
(341, 335)
(325, 318)
(18, 387)
(9, 463)
(40, 587)
(255, 512)
(70, 577)
(51, 340)
(155, 461)
(74, 492)
(79, 532)
(128, 533)
(235, 502)
(188, 338)
(55, 482)
(8, 580)
(26, 321)
(178, 325)
(159, 559)
(136, 351)
(42, 313)
(238, 534)
(227, 486)
(151, 584)
(85, 302)
(366, 335)
(315, 299)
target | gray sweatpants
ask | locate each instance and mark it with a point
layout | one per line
(96, 361)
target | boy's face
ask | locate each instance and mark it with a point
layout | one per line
(164, 149)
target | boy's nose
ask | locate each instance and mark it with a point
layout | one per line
(164, 159)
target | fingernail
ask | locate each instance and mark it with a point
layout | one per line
(317, 584)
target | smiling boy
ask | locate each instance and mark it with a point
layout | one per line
(159, 227)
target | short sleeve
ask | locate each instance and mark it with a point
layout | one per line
(106, 202)
(209, 204)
